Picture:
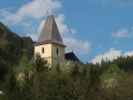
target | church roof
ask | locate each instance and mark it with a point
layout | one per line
(50, 32)
(71, 57)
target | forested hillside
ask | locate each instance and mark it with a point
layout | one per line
(33, 80)
(12, 47)
(25, 78)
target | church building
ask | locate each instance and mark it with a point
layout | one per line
(50, 43)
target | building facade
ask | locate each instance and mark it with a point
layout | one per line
(50, 45)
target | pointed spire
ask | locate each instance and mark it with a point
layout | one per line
(50, 32)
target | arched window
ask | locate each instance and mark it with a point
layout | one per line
(57, 51)
(43, 50)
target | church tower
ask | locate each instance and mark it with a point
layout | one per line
(50, 44)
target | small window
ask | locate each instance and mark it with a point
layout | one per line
(57, 51)
(43, 50)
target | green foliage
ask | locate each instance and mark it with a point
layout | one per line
(111, 76)
(12, 48)
(80, 81)
(125, 63)
(40, 64)
(24, 71)
(111, 72)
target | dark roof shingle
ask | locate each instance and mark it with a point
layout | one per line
(50, 32)
(71, 57)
